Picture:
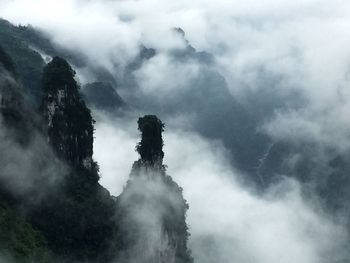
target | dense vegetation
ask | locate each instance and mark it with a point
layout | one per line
(18, 240)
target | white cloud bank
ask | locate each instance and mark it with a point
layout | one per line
(227, 222)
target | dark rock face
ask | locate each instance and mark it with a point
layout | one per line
(78, 221)
(152, 208)
(69, 122)
(151, 146)
(102, 96)
(27, 62)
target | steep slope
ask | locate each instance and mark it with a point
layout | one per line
(68, 121)
(28, 63)
(102, 96)
(77, 221)
(19, 242)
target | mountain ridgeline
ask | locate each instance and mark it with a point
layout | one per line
(57, 211)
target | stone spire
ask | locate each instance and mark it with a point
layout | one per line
(68, 120)
(151, 146)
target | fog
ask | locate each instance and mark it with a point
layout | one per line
(227, 222)
(29, 168)
(286, 66)
(299, 46)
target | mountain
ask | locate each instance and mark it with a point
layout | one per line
(78, 220)
(19, 241)
(68, 121)
(218, 115)
(51, 203)
(28, 63)
(151, 207)
(102, 96)
(52, 207)
(203, 96)
(30, 49)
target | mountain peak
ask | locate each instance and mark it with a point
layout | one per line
(69, 122)
(151, 146)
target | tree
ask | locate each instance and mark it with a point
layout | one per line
(151, 146)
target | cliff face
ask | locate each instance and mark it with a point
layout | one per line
(77, 221)
(68, 120)
(152, 208)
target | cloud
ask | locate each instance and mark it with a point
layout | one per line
(229, 223)
(115, 150)
(298, 46)
(28, 167)
(152, 80)
(268, 52)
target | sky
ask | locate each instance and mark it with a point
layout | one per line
(274, 47)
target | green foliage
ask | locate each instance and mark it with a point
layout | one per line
(77, 223)
(151, 146)
(19, 240)
(57, 74)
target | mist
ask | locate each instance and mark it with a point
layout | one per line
(227, 222)
(276, 49)
(29, 167)
(273, 50)
(279, 73)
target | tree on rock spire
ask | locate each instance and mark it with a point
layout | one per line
(152, 210)
(151, 146)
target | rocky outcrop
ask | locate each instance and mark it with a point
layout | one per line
(151, 206)
(68, 120)
(78, 220)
